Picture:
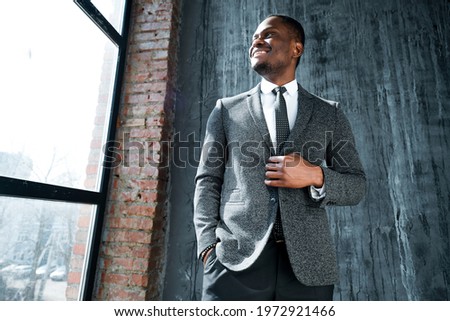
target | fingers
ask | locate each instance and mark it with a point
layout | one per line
(285, 171)
(274, 166)
(275, 170)
(277, 162)
(274, 174)
(274, 182)
(276, 159)
(291, 160)
(285, 159)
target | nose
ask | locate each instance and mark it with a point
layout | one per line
(257, 42)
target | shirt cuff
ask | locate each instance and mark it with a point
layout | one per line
(317, 193)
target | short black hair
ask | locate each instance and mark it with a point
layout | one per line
(295, 26)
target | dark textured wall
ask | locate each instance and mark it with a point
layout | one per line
(387, 62)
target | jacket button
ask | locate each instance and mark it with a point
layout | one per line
(273, 200)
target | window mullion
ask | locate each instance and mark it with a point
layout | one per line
(100, 21)
(14, 187)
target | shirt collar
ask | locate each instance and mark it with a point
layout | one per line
(267, 86)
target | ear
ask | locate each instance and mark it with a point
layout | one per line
(298, 51)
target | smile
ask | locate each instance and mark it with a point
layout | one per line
(258, 53)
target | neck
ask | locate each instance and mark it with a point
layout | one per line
(280, 80)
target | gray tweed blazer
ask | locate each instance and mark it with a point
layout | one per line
(233, 206)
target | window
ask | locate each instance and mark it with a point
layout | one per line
(37, 241)
(59, 96)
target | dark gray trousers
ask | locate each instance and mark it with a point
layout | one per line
(269, 278)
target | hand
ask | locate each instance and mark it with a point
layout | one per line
(292, 171)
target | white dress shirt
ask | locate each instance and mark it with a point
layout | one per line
(291, 98)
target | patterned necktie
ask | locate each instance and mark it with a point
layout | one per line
(281, 118)
(282, 128)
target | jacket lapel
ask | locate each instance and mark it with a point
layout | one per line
(305, 109)
(256, 111)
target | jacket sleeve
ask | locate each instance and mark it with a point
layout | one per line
(344, 176)
(209, 179)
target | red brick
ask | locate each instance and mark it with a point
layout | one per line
(129, 236)
(127, 171)
(138, 77)
(133, 122)
(144, 184)
(76, 263)
(120, 279)
(120, 294)
(155, 121)
(153, 26)
(90, 183)
(159, 75)
(84, 221)
(167, 6)
(153, 44)
(146, 88)
(92, 169)
(159, 65)
(96, 143)
(149, 196)
(81, 235)
(117, 250)
(115, 264)
(136, 209)
(163, 14)
(79, 249)
(140, 252)
(127, 196)
(72, 292)
(140, 265)
(139, 59)
(73, 277)
(135, 223)
(143, 36)
(139, 280)
(149, 171)
(138, 111)
(154, 133)
(162, 34)
(137, 99)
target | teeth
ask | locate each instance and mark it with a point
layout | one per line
(258, 52)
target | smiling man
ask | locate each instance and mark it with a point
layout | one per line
(261, 225)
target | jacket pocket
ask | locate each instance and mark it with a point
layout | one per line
(233, 196)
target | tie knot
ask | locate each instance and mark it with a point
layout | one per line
(281, 89)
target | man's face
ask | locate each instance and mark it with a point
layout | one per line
(273, 48)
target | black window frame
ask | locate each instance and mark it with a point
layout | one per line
(19, 188)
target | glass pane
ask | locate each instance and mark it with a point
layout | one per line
(41, 249)
(112, 10)
(55, 83)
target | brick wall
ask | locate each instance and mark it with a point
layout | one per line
(133, 249)
(132, 253)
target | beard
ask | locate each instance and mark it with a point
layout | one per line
(265, 68)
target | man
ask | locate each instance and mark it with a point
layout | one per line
(271, 162)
